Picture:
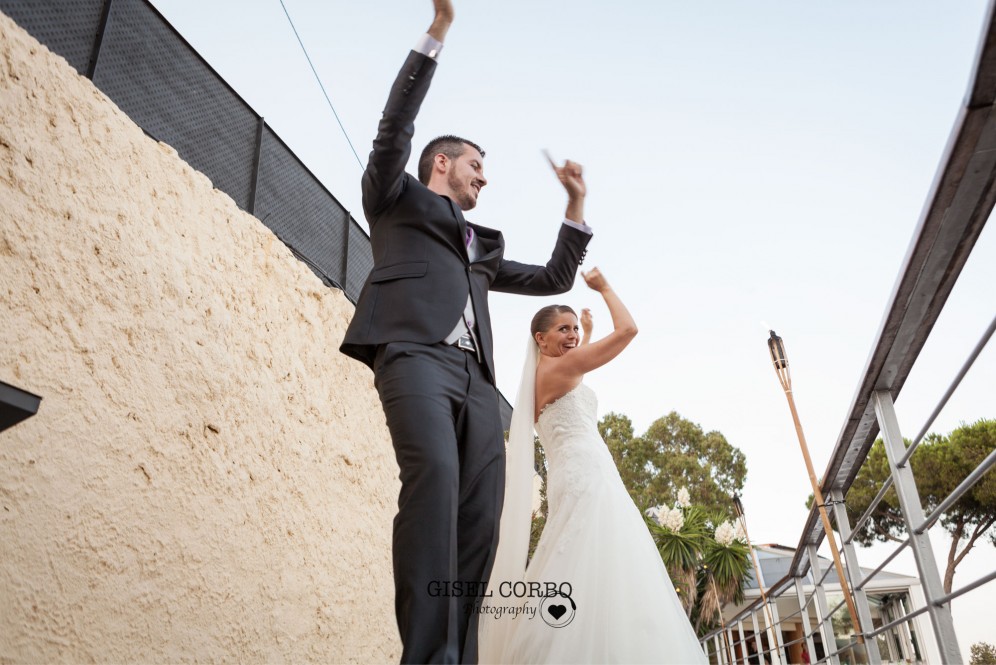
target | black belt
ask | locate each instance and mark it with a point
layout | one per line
(466, 342)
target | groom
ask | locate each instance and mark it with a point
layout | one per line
(422, 325)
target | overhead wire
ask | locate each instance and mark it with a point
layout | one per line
(320, 85)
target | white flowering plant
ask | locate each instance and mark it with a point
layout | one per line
(705, 554)
(725, 534)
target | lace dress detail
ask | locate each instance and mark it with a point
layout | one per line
(578, 461)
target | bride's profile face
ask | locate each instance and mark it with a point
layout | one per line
(562, 336)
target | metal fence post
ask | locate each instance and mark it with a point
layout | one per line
(807, 628)
(777, 648)
(759, 637)
(345, 253)
(854, 573)
(743, 643)
(822, 610)
(256, 158)
(98, 39)
(770, 626)
(912, 509)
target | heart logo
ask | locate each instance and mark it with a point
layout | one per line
(557, 611)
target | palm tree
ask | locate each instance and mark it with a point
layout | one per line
(706, 560)
(725, 568)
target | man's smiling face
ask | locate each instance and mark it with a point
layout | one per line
(466, 178)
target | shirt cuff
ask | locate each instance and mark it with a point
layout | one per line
(429, 46)
(579, 227)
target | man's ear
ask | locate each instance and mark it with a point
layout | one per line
(441, 163)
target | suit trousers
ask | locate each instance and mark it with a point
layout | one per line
(445, 424)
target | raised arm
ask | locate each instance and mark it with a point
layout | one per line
(557, 276)
(384, 176)
(591, 356)
(556, 374)
(570, 176)
(587, 325)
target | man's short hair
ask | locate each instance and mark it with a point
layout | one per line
(449, 145)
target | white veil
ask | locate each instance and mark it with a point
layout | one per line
(517, 511)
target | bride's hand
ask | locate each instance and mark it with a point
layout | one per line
(594, 279)
(587, 325)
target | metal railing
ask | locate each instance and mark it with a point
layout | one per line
(958, 206)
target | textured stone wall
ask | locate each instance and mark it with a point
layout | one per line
(207, 478)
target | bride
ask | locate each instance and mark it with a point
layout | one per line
(596, 590)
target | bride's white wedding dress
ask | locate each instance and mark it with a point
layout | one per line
(622, 607)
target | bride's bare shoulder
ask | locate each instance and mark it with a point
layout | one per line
(552, 383)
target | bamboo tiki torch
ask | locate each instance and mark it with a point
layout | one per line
(780, 360)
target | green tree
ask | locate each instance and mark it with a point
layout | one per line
(939, 464)
(983, 653)
(674, 453)
(725, 570)
(539, 517)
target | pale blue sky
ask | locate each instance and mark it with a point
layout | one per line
(745, 162)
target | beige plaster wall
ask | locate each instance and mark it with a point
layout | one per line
(207, 478)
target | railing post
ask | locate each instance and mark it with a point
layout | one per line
(912, 509)
(716, 645)
(854, 573)
(743, 644)
(757, 633)
(729, 645)
(807, 628)
(769, 628)
(775, 634)
(822, 610)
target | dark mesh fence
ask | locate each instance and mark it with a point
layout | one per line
(295, 205)
(67, 27)
(169, 91)
(360, 259)
(138, 60)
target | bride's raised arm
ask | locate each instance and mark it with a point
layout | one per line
(591, 356)
(587, 325)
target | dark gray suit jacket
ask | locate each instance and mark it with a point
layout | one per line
(418, 287)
